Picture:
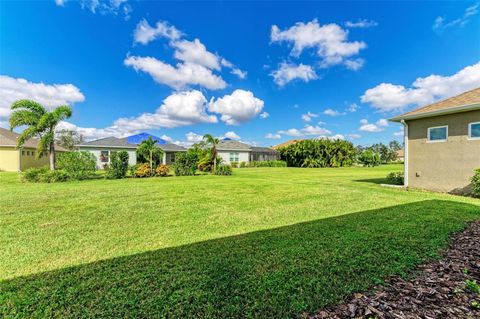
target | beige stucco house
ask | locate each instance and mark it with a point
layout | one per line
(442, 143)
(234, 151)
(13, 159)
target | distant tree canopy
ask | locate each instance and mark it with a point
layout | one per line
(68, 139)
(319, 153)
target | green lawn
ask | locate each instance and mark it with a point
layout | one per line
(265, 242)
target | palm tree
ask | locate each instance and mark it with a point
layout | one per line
(40, 123)
(149, 149)
(213, 141)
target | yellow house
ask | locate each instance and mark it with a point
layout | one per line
(16, 160)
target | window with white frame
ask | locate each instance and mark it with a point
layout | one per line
(474, 131)
(234, 157)
(437, 134)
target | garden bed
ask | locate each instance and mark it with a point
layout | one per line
(447, 288)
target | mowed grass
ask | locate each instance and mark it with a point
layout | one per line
(263, 243)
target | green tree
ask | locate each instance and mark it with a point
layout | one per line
(213, 142)
(395, 145)
(40, 123)
(149, 150)
(68, 139)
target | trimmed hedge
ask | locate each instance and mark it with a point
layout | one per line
(78, 165)
(396, 178)
(45, 175)
(223, 169)
(185, 164)
(476, 183)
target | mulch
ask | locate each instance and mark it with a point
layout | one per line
(437, 291)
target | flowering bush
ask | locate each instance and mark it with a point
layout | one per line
(162, 170)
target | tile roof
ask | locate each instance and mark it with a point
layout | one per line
(124, 143)
(227, 145)
(9, 138)
(263, 149)
(468, 98)
(287, 143)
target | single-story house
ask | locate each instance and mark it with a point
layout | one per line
(104, 147)
(234, 151)
(13, 159)
(442, 143)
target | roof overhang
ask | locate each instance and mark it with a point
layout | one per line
(450, 110)
(234, 149)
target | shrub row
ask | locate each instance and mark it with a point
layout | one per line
(395, 178)
(260, 164)
(45, 175)
(319, 153)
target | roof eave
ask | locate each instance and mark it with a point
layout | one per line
(107, 146)
(451, 110)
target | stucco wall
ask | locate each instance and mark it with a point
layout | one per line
(132, 155)
(27, 159)
(443, 166)
(243, 156)
(9, 159)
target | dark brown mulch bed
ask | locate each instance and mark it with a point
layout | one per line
(438, 291)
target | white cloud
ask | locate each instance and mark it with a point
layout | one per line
(195, 52)
(144, 33)
(330, 41)
(288, 72)
(239, 107)
(60, 3)
(273, 136)
(354, 136)
(49, 95)
(309, 116)
(307, 130)
(354, 64)
(105, 7)
(232, 135)
(241, 74)
(387, 97)
(179, 76)
(332, 137)
(373, 128)
(352, 108)
(361, 23)
(264, 115)
(400, 132)
(440, 23)
(332, 112)
(167, 138)
(193, 137)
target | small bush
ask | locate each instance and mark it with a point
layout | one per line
(142, 170)
(234, 164)
(223, 169)
(243, 164)
(185, 164)
(476, 183)
(369, 158)
(118, 165)
(396, 178)
(162, 170)
(33, 174)
(45, 175)
(79, 165)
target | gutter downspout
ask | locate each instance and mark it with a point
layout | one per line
(405, 146)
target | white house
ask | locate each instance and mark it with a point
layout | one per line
(103, 148)
(234, 151)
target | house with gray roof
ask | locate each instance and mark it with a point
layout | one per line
(234, 151)
(104, 147)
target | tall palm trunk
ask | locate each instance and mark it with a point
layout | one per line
(51, 154)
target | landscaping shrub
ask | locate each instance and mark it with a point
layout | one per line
(118, 165)
(45, 175)
(185, 164)
(395, 178)
(369, 158)
(243, 164)
(266, 164)
(162, 170)
(319, 153)
(234, 164)
(132, 169)
(143, 170)
(476, 183)
(78, 165)
(223, 169)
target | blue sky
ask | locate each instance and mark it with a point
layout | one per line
(262, 72)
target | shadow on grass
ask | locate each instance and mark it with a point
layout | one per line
(273, 273)
(373, 180)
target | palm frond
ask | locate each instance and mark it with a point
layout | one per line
(33, 106)
(23, 117)
(27, 133)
